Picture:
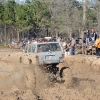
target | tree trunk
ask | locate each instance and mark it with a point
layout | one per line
(18, 35)
(23, 35)
(84, 13)
(5, 33)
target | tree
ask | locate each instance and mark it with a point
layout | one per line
(7, 14)
(41, 17)
(31, 15)
(84, 13)
(65, 14)
(1, 12)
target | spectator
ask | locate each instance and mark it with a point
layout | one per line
(87, 37)
(97, 45)
(9, 41)
(26, 39)
(84, 37)
(89, 49)
(94, 35)
(72, 46)
(63, 44)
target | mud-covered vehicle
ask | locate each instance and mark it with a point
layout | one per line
(46, 56)
(45, 53)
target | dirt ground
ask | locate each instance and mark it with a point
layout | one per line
(18, 80)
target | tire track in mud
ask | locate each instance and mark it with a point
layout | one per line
(85, 76)
(13, 85)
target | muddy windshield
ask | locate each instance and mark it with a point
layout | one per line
(48, 47)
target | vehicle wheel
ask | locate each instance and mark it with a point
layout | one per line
(30, 79)
(66, 76)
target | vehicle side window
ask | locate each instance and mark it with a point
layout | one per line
(33, 49)
(26, 48)
(29, 48)
(58, 47)
(53, 47)
(39, 48)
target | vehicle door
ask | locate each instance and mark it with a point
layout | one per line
(26, 55)
(32, 54)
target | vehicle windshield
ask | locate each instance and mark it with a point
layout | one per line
(48, 47)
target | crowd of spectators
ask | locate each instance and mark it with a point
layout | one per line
(90, 40)
(90, 43)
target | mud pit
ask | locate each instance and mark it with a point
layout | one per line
(19, 82)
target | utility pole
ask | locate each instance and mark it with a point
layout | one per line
(84, 13)
(99, 16)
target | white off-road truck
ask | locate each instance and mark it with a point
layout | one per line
(46, 56)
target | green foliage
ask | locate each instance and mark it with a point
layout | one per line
(35, 14)
(31, 14)
(2, 8)
(10, 9)
(8, 12)
(24, 16)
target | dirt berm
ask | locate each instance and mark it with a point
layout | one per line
(20, 81)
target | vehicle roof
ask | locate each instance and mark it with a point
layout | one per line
(46, 42)
(42, 43)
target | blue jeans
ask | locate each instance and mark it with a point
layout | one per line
(72, 49)
(87, 41)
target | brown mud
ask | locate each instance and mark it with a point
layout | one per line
(18, 81)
